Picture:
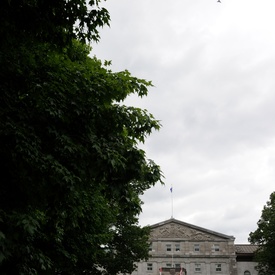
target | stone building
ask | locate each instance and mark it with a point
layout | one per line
(177, 247)
(245, 259)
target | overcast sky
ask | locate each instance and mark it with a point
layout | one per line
(213, 69)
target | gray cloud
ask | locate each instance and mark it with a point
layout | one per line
(213, 67)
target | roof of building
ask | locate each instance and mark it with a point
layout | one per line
(245, 248)
(172, 220)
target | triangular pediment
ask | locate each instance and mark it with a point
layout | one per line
(174, 229)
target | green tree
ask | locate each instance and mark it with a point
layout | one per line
(55, 21)
(264, 237)
(72, 171)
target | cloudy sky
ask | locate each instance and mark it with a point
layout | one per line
(213, 69)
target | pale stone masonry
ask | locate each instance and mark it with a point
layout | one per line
(177, 247)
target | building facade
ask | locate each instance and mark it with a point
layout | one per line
(177, 247)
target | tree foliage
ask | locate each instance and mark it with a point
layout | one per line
(264, 237)
(72, 171)
(55, 21)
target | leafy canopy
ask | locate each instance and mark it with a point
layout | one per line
(55, 21)
(264, 236)
(72, 171)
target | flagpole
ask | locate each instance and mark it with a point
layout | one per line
(172, 214)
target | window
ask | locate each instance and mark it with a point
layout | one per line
(177, 247)
(218, 267)
(197, 267)
(196, 247)
(177, 266)
(247, 272)
(168, 265)
(168, 247)
(150, 247)
(215, 247)
(149, 266)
